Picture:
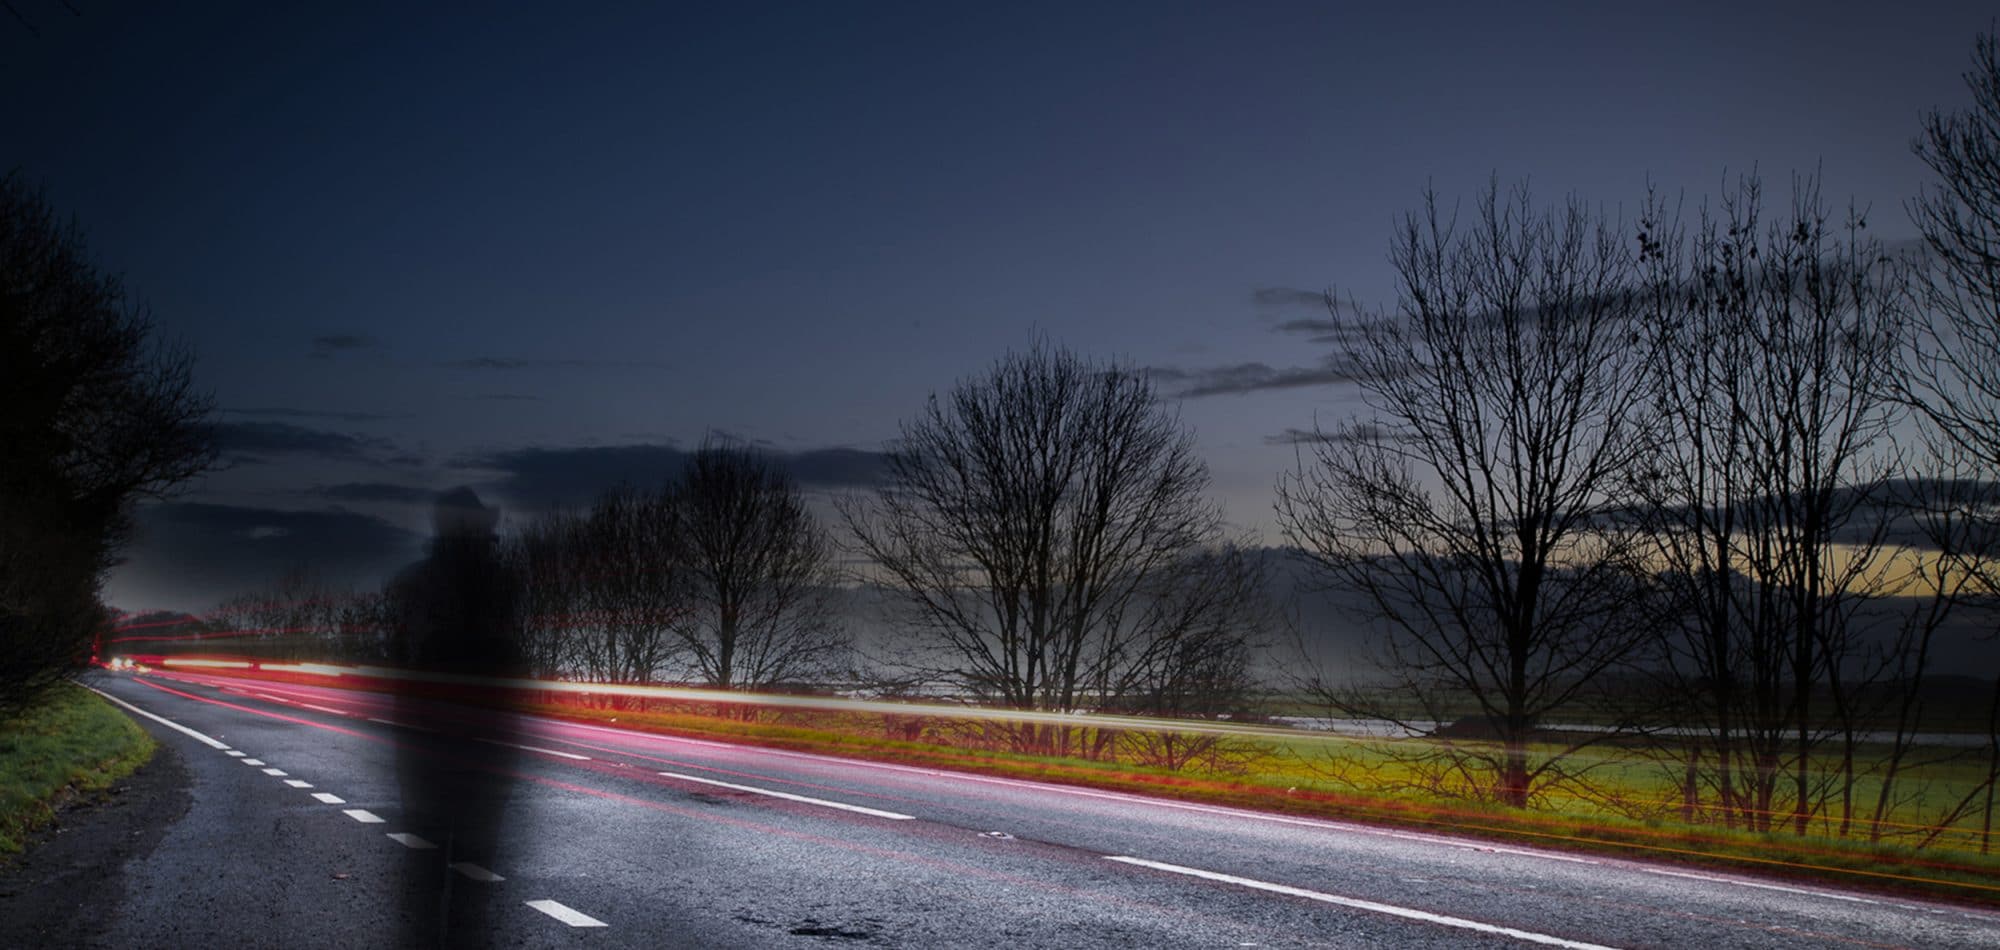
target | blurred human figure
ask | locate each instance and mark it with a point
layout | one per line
(455, 628)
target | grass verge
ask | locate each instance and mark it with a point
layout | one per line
(72, 745)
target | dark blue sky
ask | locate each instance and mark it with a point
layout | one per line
(534, 249)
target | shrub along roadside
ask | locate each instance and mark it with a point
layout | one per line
(69, 746)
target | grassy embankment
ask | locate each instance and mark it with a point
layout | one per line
(72, 745)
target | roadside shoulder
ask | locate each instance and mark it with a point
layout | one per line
(67, 882)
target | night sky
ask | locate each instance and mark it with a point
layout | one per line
(539, 251)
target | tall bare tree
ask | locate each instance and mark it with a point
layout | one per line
(759, 574)
(1953, 381)
(95, 415)
(1032, 522)
(1955, 373)
(1777, 345)
(1503, 411)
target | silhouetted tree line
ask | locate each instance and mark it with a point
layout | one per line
(96, 414)
(720, 576)
(299, 616)
(1717, 478)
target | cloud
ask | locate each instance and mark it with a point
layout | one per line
(1892, 512)
(487, 362)
(837, 468)
(280, 412)
(375, 492)
(1287, 297)
(509, 363)
(189, 555)
(251, 442)
(543, 476)
(323, 347)
(1363, 432)
(1241, 378)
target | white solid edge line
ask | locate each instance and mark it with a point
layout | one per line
(1407, 913)
(563, 913)
(363, 816)
(530, 748)
(329, 798)
(205, 740)
(843, 806)
(411, 841)
(476, 872)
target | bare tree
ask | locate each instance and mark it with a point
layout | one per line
(1504, 411)
(603, 588)
(1955, 371)
(1032, 522)
(1207, 630)
(1777, 345)
(759, 574)
(95, 415)
(1953, 377)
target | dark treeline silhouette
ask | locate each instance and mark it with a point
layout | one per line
(720, 577)
(95, 415)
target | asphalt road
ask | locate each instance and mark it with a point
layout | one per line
(324, 817)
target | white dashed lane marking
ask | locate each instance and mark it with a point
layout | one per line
(563, 913)
(787, 796)
(1392, 910)
(530, 748)
(473, 872)
(476, 872)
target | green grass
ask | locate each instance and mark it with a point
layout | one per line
(72, 745)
